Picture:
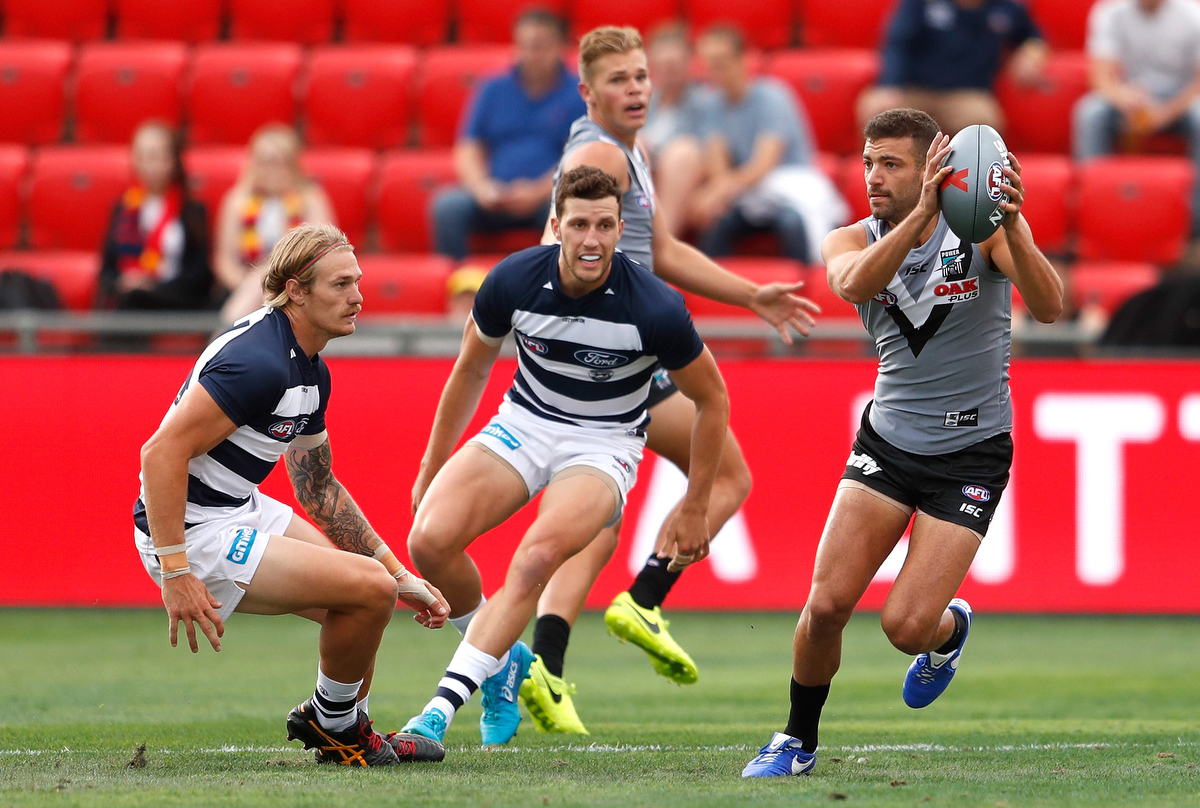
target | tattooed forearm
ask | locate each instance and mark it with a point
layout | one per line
(327, 503)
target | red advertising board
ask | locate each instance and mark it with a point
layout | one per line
(1096, 520)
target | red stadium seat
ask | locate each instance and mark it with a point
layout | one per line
(828, 82)
(1039, 117)
(346, 176)
(72, 195)
(1108, 285)
(505, 241)
(492, 20)
(303, 21)
(1049, 181)
(816, 288)
(184, 20)
(120, 85)
(1135, 208)
(852, 184)
(844, 23)
(14, 163)
(211, 172)
(445, 80)
(75, 274)
(237, 88)
(758, 270)
(1063, 22)
(407, 179)
(32, 77)
(416, 22)
(412, 284)
(765, 24)
(644, 15)
(74, 20)
(359, 95)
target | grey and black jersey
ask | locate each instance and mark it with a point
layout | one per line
(637, 206)
(943, 330)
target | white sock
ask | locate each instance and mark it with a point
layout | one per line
(362, 703)
(335, 702)
(461, 623)
(467, 670)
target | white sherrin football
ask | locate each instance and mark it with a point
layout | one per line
(971, 197)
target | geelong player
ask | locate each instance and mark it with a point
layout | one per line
(591, 326)
(935, 440)
(216, 545)
(615, 83)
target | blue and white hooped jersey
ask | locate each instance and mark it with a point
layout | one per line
(265, 383)
(587, 360)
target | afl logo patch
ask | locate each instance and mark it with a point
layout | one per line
(886, 298)
(283, 430)
(601, 359)
(643, 201)
(995, 176)
(533, 346)
(977, 493)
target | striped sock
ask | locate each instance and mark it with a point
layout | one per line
(335, 702)
(467, 670)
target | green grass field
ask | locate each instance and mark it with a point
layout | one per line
(1044, 712)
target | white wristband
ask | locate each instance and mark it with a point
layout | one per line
(179, 573)
(172, 550)
(381, 551)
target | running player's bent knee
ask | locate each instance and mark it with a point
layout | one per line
(534, 565)
(430, 548)
(825, 612)
(910, 633)
(377, 589)
(736, 479)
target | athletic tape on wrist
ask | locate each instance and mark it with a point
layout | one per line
(409, 584)
(179, 573)
(381, 551)
(172, 550)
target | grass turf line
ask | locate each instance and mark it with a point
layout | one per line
(1044, 712)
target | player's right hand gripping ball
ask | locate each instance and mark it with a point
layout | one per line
(971, 197)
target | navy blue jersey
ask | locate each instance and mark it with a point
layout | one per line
(271, 390)
(586, 360)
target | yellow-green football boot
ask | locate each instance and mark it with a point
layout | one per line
(548, 700)
(647, 629)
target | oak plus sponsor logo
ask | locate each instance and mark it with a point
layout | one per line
(600, 359)
(957, 291)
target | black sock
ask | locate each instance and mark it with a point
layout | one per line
(960, 628)
(806, 713)
(550, 636)
(652, 584)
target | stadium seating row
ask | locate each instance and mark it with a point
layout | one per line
(1118, 208)
(371, 96)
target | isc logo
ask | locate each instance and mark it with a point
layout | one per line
(242, 542)
(977, 493)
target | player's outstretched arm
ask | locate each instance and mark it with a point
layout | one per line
(686, 537)
(196, 425)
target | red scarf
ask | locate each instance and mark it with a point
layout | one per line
(138, 252)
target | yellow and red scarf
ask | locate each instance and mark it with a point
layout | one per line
(251, 244)
(138, 252)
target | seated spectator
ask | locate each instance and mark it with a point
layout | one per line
(942, 57)
(758, 161)
(461, 287)
(1144, 57)
(515, 129)
(674, 131)
(156, 248)
(271, 197)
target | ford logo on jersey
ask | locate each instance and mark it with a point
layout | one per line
(242, 543)
(977, 493)
(601, 359)
(533, 346)
(282, 430)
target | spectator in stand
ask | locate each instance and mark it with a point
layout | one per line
(674, 131)
(942, 57)
(1144, 56)
(461, 287)
(156, 249)
(272, 196)
(509, 146)
(758, 160)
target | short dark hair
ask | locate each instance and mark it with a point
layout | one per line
(904, 122)
(545, 18)
(586, 182)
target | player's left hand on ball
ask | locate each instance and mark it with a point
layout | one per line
(425, 599)
(779, 305)
(1015, 190)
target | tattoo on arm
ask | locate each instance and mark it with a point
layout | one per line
(327, 502)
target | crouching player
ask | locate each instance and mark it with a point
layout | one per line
(590, 326)
(216, 545)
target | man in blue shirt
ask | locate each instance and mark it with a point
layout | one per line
(511, 141)
(942, 57)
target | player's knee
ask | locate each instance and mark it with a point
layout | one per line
(909, 633)
(537, 562)
(430, 545)
(378, 590)
(825, 611)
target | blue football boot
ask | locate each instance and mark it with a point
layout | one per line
(500, 718)
(930, 674)
(430, 724)
(780, 758)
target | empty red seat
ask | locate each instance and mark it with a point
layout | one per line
(852, 184)
(505, 241)
(346, 176)
(304, 21)
(1135, 208)
(492, 20)
(844, 23)
(32, 77)
(235, 89)
(758, 270)
(14, 163)
(359, 95)
(184, 20)
(644, 15)
(1108, 285)
(828, 82)
(72, 194)
(74, 20)
(816, 288)
(412, 284)
(445, 80)
(417, 22)
(121, 84)
(766, 23)
(1049, 182)
(1039, 116)
(211, 172)
(407, 180)
(1063, 22)
(75, 274)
